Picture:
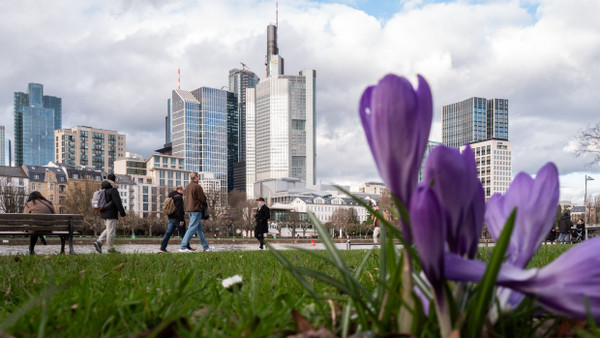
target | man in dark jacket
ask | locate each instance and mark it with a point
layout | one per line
(262, 215)
(176, 219)
(195, 199)
(564, 228)
(110, 215)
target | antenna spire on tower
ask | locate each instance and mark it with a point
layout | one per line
(178, 78)
(276, 13)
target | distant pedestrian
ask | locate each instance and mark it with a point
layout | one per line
(581, 226)
(262, 215)
(37, 204)
(376, 228)
(564, 228)
(176, 219)
(110, 215)
(195, 201)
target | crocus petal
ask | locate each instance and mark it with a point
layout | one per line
(454, 179)
(427, 219)
(567, 283)
(397, 121)
(536, 201)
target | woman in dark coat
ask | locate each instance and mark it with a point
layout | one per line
(37, 204)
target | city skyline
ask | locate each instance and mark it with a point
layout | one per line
(115, 64)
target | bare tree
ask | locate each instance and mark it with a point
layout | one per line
(12, 198)
(344, 219)
(78, 201)
(588, 140)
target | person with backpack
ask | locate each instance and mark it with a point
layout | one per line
(173, 209)
(110, 214)
(37, 204)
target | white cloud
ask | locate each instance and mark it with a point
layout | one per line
(115, 64)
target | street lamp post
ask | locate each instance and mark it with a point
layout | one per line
(587, 178)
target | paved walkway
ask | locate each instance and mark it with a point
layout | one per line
(51, 249)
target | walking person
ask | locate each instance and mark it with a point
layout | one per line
(581, 226)
(38, 204)
(195, 201)
(376, 227)
(262, 215)
(176, 219)
(110, 215)
(564, 228)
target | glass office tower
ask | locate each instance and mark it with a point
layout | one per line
(199, 129)
(475, 119)
(239, 81)
(2, 146)
(36, 118)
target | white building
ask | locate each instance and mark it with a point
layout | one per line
(14, 183)
(280, 123)
(494, 165)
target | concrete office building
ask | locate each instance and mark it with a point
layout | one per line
(36, 118)
(90, 147)
(280, 123)
(494, 165)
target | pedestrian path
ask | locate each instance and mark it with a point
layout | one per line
(173, 248)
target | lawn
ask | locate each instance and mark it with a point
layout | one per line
(151, 294)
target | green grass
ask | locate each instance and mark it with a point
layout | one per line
(121, 295)
(124, 295)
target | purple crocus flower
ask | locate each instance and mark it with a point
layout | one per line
(428, 224)
(453, 177)
(563, 287)
(397, 121)
(536, 201)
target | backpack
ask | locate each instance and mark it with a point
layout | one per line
(169, 206)
(99, 200)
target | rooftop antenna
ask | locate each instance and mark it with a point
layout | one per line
(276, 13)
(178, 78)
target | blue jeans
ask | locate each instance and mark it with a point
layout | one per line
(195, 228)
(173, 223)
(564, 238)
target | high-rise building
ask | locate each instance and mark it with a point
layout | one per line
(475, 119)
(36, 118)
(199, 129)
(494, 165)
(90, 147)
(482, 123)
(3, 146)
(280, 123)
(430, 146)
(239, 81)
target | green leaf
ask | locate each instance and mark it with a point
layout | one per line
(480, 306)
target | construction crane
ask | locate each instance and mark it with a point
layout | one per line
(244, 67)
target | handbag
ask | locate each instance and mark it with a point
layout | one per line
(204, 210)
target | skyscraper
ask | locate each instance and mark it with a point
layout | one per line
(239, 81)
(36, 118)
(199, 129)
(3, 146)
(474, 119)
(482, 123)
(280, 123)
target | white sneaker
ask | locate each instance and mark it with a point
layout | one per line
(208, 250)
(185, 250)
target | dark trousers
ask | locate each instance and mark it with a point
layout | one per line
(261, 238)
(173, 223)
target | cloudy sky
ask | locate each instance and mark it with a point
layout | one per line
(114, 64)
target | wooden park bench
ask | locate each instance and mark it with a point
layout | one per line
(63, 225)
